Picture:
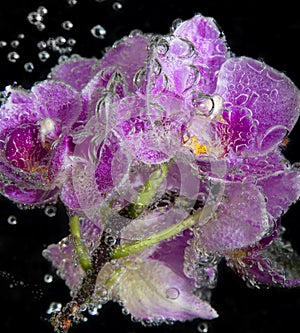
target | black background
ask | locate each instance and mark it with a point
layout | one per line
(260, 29)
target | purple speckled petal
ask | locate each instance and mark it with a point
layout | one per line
(127, 56)
(17, 110)
(57, 101)
(29, 196)
(76, 72)
(254, 168)
(281, 189)
(189, 60)
(275, 265)
(235, 225)
(269, 95)
(155, 293)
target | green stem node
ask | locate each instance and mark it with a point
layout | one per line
(80, 249)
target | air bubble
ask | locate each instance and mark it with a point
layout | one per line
(40, 26)
(34, 18)
(175, 24)
(60, 40)
(98, 31)
(71, 41)
(2, 43)
(63, 58)
(117, 6)
(21, 36)
(172, 293)
(48, 278)
(13, 56)
(72, 2)
(50, 211)
(12, 220)
(54, 307)
(43, 56)
(202, 327)
(14, 43)
(42, 10)
(41, 44)
(67, 25)
(29, 67)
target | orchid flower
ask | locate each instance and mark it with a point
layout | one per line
(176, 163)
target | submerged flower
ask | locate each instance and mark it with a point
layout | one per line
(176, 164)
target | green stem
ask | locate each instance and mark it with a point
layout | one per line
(80, 249)
(141, 244)
(148, 191)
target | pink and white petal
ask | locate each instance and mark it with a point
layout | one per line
(236, 225)
(269, 95)
(57, 101)
(76, 72)
(282, 189)
(154, 293)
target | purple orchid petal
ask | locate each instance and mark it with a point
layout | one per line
(76, 72)
(210, 44)
(24, 150)
(127, 56)
(270, 97)
(235, 226)
(29, 196)
(188, 60)
(281, 190)
(17, 110)
(154, 293)
(58, 102)
(275, 265)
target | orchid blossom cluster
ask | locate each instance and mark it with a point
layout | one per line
(167, 154)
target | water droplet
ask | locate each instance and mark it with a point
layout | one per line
(54, 307)
(29, 67)
(175, 24)
(202, 327)
(60, 40)
(63, 58)
(172, 293)
(48, 278)
(203, 104)
(2, 43)
(34, 18)
(40, 26)
(41, 44)
(98, 31)
(72, 2)
(12, 220)
(117, 6)
(42, 10)
(71, 41)
(14, 43)
(67, 25)
(50, 211)
(43, 56)
(21, 36)
(93, 311)
(13, 56)
(110, 240)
